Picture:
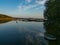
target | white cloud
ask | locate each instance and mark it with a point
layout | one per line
(29, 6)
(41, 2)
(28, 1)
(24, 8)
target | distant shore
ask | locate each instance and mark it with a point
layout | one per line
(4, 17)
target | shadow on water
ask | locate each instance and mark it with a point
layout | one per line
(51, 28)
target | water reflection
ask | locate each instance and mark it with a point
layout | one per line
(22, 33)
(51, 28)
(4, 21)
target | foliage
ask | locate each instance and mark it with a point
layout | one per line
(52, 14)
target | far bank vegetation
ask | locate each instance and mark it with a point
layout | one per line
(5, 17)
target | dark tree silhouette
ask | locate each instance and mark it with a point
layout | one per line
(52, 14)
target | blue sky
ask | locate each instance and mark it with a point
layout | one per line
(23, 8)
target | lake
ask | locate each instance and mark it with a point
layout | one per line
(22, 33)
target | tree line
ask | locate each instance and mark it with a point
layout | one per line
(52, 14)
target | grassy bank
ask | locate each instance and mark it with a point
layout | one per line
(1, 19)
(4, 20)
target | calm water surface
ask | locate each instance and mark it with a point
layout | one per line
(22, 33)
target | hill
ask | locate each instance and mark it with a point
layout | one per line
(4, 17)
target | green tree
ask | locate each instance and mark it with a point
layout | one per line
(52, 14)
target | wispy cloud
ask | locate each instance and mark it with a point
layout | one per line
(41, 2)
(28, 4)
(28, 1)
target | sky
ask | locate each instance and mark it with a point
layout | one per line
(23, 8)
